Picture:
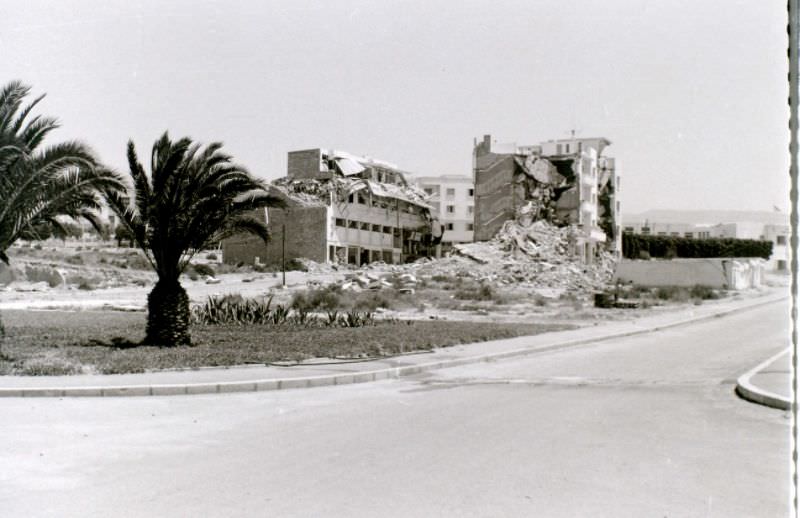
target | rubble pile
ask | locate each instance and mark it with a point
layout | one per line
(310, 192)
(539, 254)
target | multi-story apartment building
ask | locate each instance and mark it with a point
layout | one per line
(342, 208)
(453, 199)
(567, 182)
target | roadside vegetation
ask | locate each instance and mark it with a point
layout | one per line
(653, 296)
(193, 196)
(61, 343)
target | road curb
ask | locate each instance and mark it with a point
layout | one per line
(746, 390)
(263, 385)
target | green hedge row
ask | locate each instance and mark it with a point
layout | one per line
(637, 247)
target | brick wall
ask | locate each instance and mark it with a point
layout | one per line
(493, 193)
(305, 164)
(305, 237)
(305, 234)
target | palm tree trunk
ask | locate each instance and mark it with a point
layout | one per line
(168, 315)
(2, 337)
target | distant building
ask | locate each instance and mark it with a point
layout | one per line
(568, 182)
(342, 208)
(767, 226)
(453, 199)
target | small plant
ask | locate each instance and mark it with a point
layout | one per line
(295, 265)
(699, 291)
(333, 318)
(372, 300)
(673, 293)
(203, 270)
(327, 298)
(279, 315)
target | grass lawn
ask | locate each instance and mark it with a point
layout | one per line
(62, 342)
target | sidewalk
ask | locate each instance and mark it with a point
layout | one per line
(769, 383)
(307, 375)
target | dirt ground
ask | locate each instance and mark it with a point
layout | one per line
(91, 274)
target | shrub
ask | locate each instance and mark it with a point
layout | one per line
(481, 292)
(634, 246)
(84, 285)
(372, 300)
(203, 270)
(327, 298)
(295, 265)
(699, 291)
(674, 293)
(136, 261)
(211, 257)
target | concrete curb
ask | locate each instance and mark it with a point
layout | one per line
(260, 385)
(746, 390)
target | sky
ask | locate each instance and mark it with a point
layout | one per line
(692, 94)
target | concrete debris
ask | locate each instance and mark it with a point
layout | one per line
(537, 256)
(312, 192)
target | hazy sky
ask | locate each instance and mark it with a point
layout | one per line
(691, 93)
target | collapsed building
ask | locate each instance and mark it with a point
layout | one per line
(342, 208)
(567, 183)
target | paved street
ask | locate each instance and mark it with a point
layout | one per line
(643, 426)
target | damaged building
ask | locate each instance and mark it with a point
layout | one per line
(342, 208)
(568, 183)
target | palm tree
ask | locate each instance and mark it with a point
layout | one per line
(193, 197)
(41, 184)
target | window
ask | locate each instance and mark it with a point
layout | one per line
(471, 192)
(689, 235)
(428, 190)
(376, 228)
(451, 193)
(675, 234)
(558, 149)
(365, 226)
(780, 240)
(352, 224)
(470, 209)
(567, 148)
(350, 198)
(628, 230)
(340, 222)
(470, 227)
(448, 226)
(645, 231)
(781, 264)
(387, 230)
(451, 209)
(662, 233)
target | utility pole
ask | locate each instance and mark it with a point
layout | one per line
(283, 252)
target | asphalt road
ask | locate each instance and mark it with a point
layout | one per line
(647, 426)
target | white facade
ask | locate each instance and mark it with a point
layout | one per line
(778, 234)
(453, 199)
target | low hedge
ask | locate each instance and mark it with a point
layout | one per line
(636, 246)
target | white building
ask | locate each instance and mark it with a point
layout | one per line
(453, 199)
(747, 225)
